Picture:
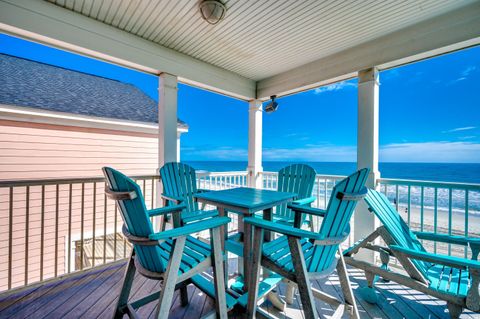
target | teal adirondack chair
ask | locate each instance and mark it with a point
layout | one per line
(302, 255)
(179, 185)
(452, 279)
(172, 256)
(298, 179)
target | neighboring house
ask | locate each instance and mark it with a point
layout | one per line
(57, 123)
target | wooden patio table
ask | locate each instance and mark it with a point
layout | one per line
(245, 202)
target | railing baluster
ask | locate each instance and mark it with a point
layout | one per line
(466, 221)
(435, 216)
(115, 233)
(82, 214)
(105, 228)
(42, 232)
(396, 197)
(421, 208)
(57, 192)
(153, 194)
(408, 204)
(69, 228)
(94, 222)
(325, 194)
(10, 236)
(27, 231)
(449, 218)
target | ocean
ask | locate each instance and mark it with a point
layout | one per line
(445, 172)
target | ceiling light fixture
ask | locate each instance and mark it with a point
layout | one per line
(212, 11)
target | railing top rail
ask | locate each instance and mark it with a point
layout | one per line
(318, 176)
(230, 173)
(433, 184)
(55, 181)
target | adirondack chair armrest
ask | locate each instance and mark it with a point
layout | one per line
(307, 210)
(449, 261)
(202, 190)
(191, 228)
(282, 229)
(451, 239)
(166, 210)
(172, 198)
(304, 201)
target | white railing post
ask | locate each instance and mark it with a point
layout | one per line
(167, 125)
(367, 149)
(254, 179)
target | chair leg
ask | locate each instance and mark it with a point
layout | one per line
(171, 276)
(347, 287)
(218, 273)
(301, 274)
(184, 296)
(290, 293)
(369, 294)
(454, 310)
(255, 273)
(126, 286)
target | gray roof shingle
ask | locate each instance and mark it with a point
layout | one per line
(38, 85)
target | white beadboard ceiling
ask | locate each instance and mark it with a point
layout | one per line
(261, 38)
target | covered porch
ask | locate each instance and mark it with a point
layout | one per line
(237, 58)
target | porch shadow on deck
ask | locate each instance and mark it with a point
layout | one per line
(92, 294)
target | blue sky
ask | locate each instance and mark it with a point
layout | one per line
(429, 112)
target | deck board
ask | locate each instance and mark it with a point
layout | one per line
(93, 294)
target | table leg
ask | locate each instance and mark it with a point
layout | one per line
(247, 250)
(223, 236)
(268, 215)
(272, 296)
(241, 231)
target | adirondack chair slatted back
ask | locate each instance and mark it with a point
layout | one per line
(337, 219)
(296, 178)
(179, 180)
(396, 226)
(135, 216)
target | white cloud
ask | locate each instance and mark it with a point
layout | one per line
(426, 152)
(468, 70)
(468, 137)
(334, 87)
(314, 153)
(209, 153)
(431, 152)
(458, 129)
(464, 74)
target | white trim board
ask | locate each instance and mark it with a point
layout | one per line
(33, 115)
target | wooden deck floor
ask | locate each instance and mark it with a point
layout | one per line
(92, 295)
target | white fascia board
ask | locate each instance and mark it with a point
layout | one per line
(52, 25)
(449, 32)
(34, 115)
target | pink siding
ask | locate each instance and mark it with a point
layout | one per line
(46, 152)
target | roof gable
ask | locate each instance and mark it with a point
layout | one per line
(38, 85)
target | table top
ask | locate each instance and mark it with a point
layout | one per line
(245, 199)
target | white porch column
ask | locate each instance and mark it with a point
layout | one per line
(367, 149)
(178, 146)
(167, 124)
(167, 119)
(254, 144)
